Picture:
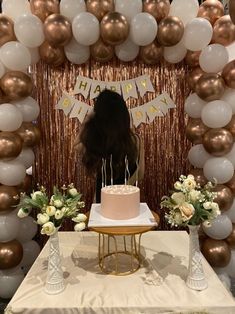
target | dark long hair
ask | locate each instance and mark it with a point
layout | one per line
(107, 132)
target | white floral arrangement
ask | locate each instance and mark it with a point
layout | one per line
(55, 209)
(190, 204)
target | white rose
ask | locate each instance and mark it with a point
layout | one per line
(50, 210)
(191, 177)
(58, 203)
(59, 214)
(48, 228)
(206, 223)
(80, 226)
(189, 184)
(194, 195)
(42, 218)
(35, 194)
(64, 210)
(73, 192)
(207, 205)
(22, 213)
(215, 206)
(177, 185)
(80, 218)
(187, 211)
(178, 197)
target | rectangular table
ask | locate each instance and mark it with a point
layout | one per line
(158, 287)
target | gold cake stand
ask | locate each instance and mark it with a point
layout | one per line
(119, 248)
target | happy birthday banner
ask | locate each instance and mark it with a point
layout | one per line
(90, 89)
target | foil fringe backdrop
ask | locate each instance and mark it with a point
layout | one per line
(166, 146)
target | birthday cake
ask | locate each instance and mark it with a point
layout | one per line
(119, 202)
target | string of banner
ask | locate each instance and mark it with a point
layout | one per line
(90, 89)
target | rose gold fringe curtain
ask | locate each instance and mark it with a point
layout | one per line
(165, 143)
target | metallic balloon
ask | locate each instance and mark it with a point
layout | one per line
(218, 142)
(57, 30)
(210, 86)
(223, 31)
(231, 184)
(228, 74)
(114, 28)
(192, 58)
(231, 7)
(10, 145)
(195, 129)
(193, 77)
(231, 238)
(29, 133)
(43, 9)
(199, 176)
(11, 254)
(217, 252)
(100, 7)
(102, 52)
(9, 197)
(211, 10)
(16, 85)
(224, 197)
(53, 56)
(6, 29)
(157, 8)
(26, 185)
(231, 126)
(170, 31)
(152, 53)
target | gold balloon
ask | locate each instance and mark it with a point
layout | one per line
(29, 133)
(57, 30)
(11, 254)
(102, 52)
(199, 176)
(231, 184)
(224, 197)
(44, 8)
(211, 10)
(231, 7)
(218, 142)
(223, 31)
(170, 31)
(210, 86)
(217, 252)
(192, 58)
(100, 7)
(231, 238)
(16, 85)
(6, 29)
(195, 129)
(231, 126)
(10, 145)
(228, 74)
(26, 185)
(157, 8)
(193, 77)
(152, 53)
(9, 197)
(114, 28)
(53, 56)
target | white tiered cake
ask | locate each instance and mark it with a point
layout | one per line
(119, 202)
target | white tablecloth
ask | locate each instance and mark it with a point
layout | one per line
(158, 287)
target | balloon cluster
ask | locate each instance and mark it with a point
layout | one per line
(211, 125)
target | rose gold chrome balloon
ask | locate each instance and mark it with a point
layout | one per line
(231, 126)
(217, 252)
(231, 184)
(210, 86)
(218, 142)
(199, 176)
(192, 58)
(228, 74)
(211, 10)
(100, 7)
(224, 197)
(170, 31)
(44, 8)
(231, 238)
(29, 133)
(193, 77)
(157, 8)
(9, 197)
(102, 52)
(195, 129)
(6, 29)
(152, 53)
(232, 10)
(11, 254)
(10, 145)
(223, 31)
(53, 56)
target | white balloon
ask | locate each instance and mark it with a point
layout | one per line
(197, 34)
(197, 156)
(218, 168)
(86, 28)
(13, 8)
(231, 212)
(228, 97)
(175, 54)
(27, 229)
(9, 226)
(35, 56)
(221, 227)
(127, 51)
(128, 8)
(2, 69)
(15, 56)
(186, 10)
(12, 172)
(71, 8)
(26, 157)
(193, 105)
(11, 117)
(76, 53)
(231, 155)
(28, 107)
(143, 29)
(230, 268)
(216, 114)
(10, 279)
(31, 249)
(213, 58)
